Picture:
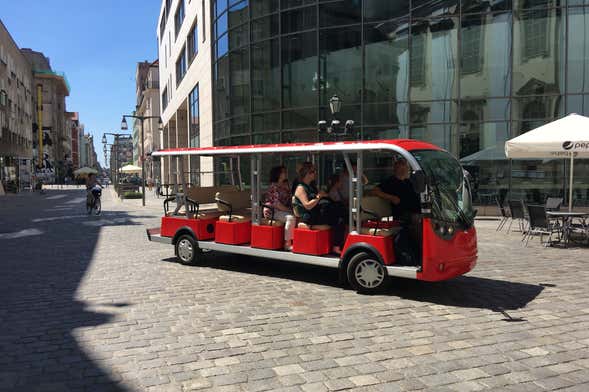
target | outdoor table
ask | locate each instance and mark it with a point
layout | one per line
(567, 221)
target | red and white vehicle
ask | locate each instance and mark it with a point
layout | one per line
(228, 218)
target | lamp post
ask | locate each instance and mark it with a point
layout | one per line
(114, 177)
(124, 127)
(335, 105)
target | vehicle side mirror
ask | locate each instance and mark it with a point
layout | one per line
(418, 181)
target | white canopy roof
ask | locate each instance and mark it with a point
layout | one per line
(559, 138)
(130, 169)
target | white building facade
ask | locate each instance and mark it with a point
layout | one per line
(185, 85)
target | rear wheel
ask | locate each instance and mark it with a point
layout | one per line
(366, 274)
(186, 250)
(97, 206)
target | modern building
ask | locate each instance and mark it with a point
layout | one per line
(50, 90)
(465, 75)
(148, 105)
(16, 115)
(185, 83)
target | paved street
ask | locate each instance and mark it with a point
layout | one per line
(87, 303)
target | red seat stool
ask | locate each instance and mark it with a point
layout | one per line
(233, 232)
(268, 237)
(312, 242)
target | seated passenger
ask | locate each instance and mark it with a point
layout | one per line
(334, 188)
(315, 208)
(278, 195)
(405, 204)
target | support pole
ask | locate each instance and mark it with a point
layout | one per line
(142, 162)
(571, 182)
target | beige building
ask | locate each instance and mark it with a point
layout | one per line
(185, 84)
(148, 105)
(57, 138)
(16, 114)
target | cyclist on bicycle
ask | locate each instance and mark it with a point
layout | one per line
(93, 188)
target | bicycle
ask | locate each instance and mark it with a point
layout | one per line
(94, 204)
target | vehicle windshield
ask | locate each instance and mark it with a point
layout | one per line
(449, 187)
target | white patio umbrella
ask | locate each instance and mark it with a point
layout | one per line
(130, 169)
(85, 171)
(567, 137)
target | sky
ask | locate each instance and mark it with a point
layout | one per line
(97, 44)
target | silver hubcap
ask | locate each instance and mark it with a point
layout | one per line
(185, 250)
(369, 273)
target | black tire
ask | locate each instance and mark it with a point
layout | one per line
(97, 206)
(186, 250)
(366, 274)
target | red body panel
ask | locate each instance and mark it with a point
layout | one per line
(204, 229)
(233, 233)
(384, 245)
(311, 242)
(445, 259)
(267, 237)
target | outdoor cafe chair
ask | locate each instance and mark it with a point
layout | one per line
(553, 203)
(504, 216)
(540, 224)
(516, 210)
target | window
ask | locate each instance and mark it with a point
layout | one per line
(472, 41)
(194, 117)
(417, 59)
(193, 43)
(163, 24)
(3, 98)
(181, 66)
(165, 98)
(179, 17)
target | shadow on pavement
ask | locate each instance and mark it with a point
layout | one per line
(39, 278)
(465, 291)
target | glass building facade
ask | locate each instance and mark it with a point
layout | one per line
(466, 75)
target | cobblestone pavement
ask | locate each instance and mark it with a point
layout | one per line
(88, 304)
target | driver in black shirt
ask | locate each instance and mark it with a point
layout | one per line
(405, 203)
(399, 191)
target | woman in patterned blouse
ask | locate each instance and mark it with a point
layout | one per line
(278, 195)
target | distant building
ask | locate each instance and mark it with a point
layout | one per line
(56, 137)
(16, 115)
(148, 105)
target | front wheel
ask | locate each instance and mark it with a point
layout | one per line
(186, 250)
(366, 274)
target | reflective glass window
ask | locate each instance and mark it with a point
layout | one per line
(265, 122)
(238, 14)
(341, 64)
(434, 59)
(266, 76)
(220, 6)
(192, 45)
(300, 118)
(485, 55)
(386, 113)
(534, 111)
(263, 7)
(239, 36)
(222, 46)
(538, 50)
(285, 4)
(386, 61)
(179, 17)
(432, 112)
(300, 79)
(181, 66)
(240, 88)
(240, 125)
(221, 25)
(299, 19)
(339, 13)
(578, 104)
(578, 51)
(385, 9)
(194, 120)
(265, 27)
(482, 6)
(436, 8)
(485, 109)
